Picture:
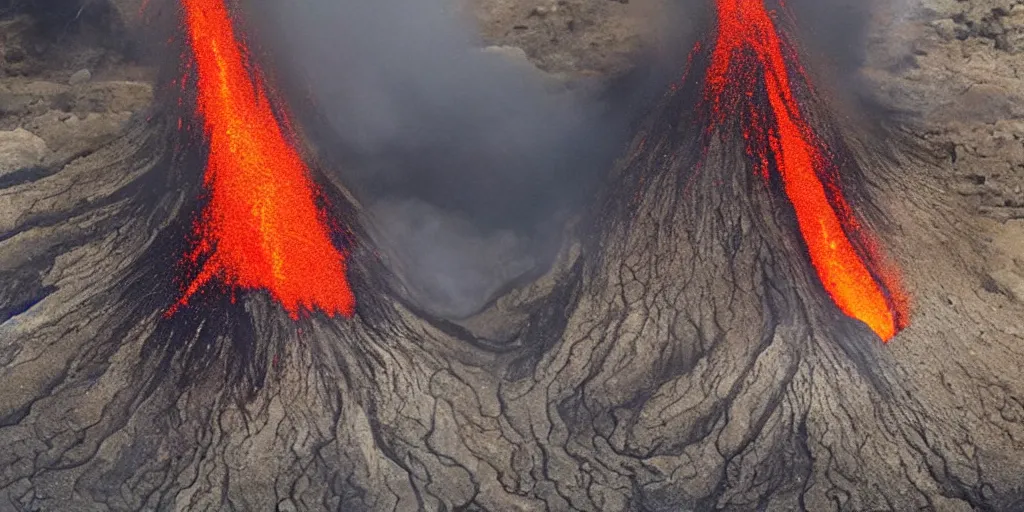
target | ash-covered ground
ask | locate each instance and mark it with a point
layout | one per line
(960, 65)
(647, 381)
(68, 86)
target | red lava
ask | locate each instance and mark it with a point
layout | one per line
(261, 228)
(749, 61)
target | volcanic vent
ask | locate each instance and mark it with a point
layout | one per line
(198, 319)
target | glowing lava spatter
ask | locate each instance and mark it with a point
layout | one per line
(261, 227)
(750, 63)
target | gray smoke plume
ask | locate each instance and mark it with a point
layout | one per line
(466, 160)
(837, 36)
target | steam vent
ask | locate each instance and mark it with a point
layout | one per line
(485, 255)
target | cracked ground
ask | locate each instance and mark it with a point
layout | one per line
(674, 357)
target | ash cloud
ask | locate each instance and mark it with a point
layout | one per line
(835, 28)
(467, 161)
(839, 35)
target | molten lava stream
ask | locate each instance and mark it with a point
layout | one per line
(261, 227)
(748, 53)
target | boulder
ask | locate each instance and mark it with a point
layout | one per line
(19, 149)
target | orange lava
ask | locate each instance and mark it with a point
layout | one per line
(261, 228)
(750, 61)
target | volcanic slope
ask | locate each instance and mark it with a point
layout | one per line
(684, 357)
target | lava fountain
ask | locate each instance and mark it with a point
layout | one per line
(261, 227)
(750, 71)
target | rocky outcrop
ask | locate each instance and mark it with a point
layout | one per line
(958, 66)
(19, 149)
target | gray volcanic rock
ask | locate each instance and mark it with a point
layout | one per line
(80, 77)
(19, 148)
(967, 88)
(679, 356)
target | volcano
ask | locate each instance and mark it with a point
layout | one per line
(749, 74)
(194, 317)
